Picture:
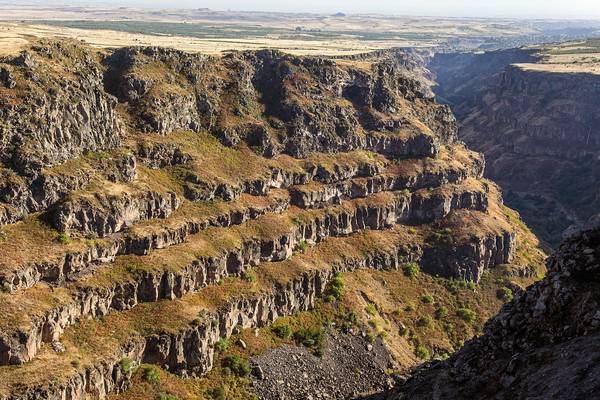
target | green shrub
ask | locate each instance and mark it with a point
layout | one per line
(336, 287)
(411, 270)
(422, 352)
(237, 365)
(283, 331)
(132, 268)
(425, 321)
(303, 246)
(125, 364)
(313, 338)
(64, 238)
(371, 309)
(404, 331)
(410, 307)
(441, 312)
(75, 364)
(427, 299)
(249, 276)
(505, 294)
(371, 336)
(351, 317)
(222, 345)
(217, 393)
(466, 315)
(150, 375)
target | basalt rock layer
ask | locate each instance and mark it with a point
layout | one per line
(216, 194)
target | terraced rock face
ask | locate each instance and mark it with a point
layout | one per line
(538, 130)
(544, 344)
(221, 194)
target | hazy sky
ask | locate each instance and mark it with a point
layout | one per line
(474, 8)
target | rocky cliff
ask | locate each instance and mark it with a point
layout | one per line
(544, 344)
(155, 202)
(538, 131)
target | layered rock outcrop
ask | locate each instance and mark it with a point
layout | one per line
(235, 189)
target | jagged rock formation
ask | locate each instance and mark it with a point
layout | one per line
(218, 194)
(537, 129)
(544, 344)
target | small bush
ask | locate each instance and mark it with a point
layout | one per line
(427, 299)
(151, 375)
(425, 321)
(222, 345)
(125, 364)
(132, 268)
(351, 317)
(336, 287)
(237, 365)
(249, 276)
(75, 364)
(64, 238)
(371, 309)
(422, 352)
(313, 338)
(217, 393)
(404, 331)
(283, 331)
(410, 307)
(371, 336)
(411, 270)
(505, 294)
(466, 315)
(303, 246)
(441, 313)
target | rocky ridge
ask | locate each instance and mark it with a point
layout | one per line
(236, 189)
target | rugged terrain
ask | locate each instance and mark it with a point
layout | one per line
(543, 345)
(161, 210)
(533, 113)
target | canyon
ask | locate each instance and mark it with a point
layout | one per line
(532, 112)
(156, 205)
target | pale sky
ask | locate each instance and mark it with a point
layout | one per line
(457, 8)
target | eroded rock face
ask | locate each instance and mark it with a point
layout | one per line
(54, 117)
(310, 104)
(526, 348)
(102, 214)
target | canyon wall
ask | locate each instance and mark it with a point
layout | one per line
(538, 130)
